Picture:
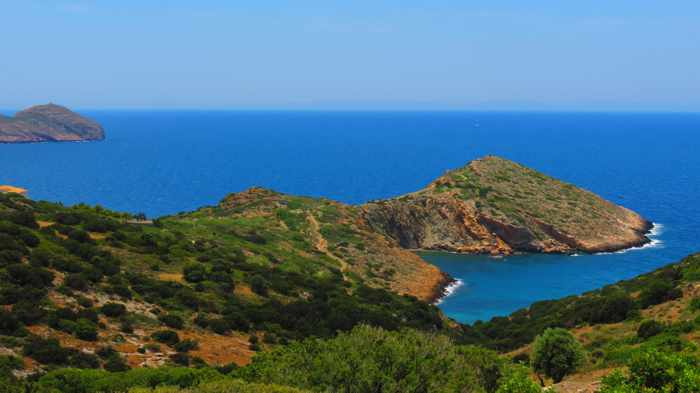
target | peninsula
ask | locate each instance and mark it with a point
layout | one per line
(496, 206)
(48, 123)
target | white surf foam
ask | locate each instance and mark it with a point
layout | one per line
(655, 231)
(449, 290)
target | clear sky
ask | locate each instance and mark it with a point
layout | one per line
(359, 54)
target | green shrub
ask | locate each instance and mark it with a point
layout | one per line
(9, 324)
(169, 337)
(259, 285)
(94, 381)
(556, 353)
(47, 351)
(172, 321)
(372, 359)
(186, 345)
(654, 371)
(76, 281)
(116, 363)
(113, 309)
(194, 272)
(85, 330)
(518, 381)
(223, 386)
(658, 291)
(649, 328)
(695, 304)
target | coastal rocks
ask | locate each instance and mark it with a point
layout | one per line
(12, 190)
(48, 123)
(496, 206)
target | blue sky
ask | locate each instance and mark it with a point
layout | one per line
(361, 54)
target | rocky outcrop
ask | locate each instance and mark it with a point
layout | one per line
(496, 206)
(12, 190)
(48, 123)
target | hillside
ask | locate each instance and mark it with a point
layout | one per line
(213, 286)
(656, 312)
(493, 205)
(48, 123)
(89, 288)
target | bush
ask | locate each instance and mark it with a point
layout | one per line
(94, 381)
(556, 353)
(186, 345)
(657, 292)
(195, 272)
(372, 359)
(27, 275)
(47, 351)
(225, 386)
(113, 309)
(85, 330)
(656, 372)
(259, 285)
(172, 321)
(169, 337)
(76, 281)
(649, 328)
(116, 363)
(614, 308)
(180, 358)
(695, 304)
(518, 381)
(9, 324)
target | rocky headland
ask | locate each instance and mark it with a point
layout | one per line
(496, 206)
(48, 123)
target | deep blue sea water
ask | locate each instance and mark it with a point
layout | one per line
(165, 162)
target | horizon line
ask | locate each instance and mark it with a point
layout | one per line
(377, 110)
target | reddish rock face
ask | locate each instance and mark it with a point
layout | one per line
(48, 123)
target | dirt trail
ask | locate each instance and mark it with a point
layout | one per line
(321, 243)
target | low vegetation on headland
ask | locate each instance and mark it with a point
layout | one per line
(267, 292)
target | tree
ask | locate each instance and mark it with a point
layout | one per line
(556, 354)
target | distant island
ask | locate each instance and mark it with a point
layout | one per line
(48, 123)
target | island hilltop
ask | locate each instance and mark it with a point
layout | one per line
(48, 123)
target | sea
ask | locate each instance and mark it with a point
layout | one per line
(164, 162)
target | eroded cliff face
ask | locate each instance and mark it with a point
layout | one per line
(48, 123)
(496, 206)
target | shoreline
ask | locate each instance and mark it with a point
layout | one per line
(449, 290)
(22, 142)
(448, 287)
(645, 240)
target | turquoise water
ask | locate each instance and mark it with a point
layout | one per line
(170, 161)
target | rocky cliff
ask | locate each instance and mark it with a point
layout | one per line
(48, 123)
(496, 206)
